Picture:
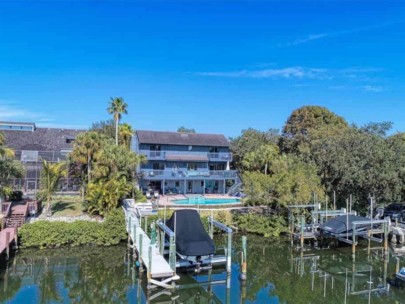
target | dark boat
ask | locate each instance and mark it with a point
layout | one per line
(343, 224)
(192, 241)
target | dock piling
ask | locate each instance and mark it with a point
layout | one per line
(7, 245)
(229, 253)
(140, 252)
(243, 258)
(149, 270)
(302, 231)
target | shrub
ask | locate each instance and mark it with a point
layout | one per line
(260, 224)
(16, 196)
(139, 197)
(53, 234)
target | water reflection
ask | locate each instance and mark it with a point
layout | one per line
(277, 273)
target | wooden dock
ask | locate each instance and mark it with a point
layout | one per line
(7, 237)
(148, 254)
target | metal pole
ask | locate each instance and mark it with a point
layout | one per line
(162, 242)
(353, 240)
(229, 253)
(211, 229)
(334, 200)
(347, 219)
(172, 253)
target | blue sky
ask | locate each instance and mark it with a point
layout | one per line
(216, 66)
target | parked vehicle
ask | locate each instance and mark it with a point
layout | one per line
(395, 211)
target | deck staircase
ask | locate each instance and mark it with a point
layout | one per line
(236, 186)
(17, 216)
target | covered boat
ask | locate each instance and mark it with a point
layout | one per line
(192, 241)
(343, 224)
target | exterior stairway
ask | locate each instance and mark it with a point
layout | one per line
(17, 216)
(236, 186)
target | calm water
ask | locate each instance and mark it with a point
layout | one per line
(277, 273)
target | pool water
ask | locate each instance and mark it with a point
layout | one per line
(200, 200)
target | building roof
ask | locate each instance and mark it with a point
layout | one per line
(41, 139)
(17, 123)
(182, 139)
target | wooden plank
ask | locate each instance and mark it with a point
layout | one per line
(160, 267)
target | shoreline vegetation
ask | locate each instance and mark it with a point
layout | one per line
(50, 234)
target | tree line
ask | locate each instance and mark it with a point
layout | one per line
(318, 154)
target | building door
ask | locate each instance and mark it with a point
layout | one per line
(190, 187)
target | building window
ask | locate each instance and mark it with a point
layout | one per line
(190, 148)
(158, 166)
(191, 166)
(202, 183)
(177, 184)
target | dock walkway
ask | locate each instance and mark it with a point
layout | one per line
(160, 268)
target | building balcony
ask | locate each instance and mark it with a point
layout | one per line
(186, 156)
(187, 174)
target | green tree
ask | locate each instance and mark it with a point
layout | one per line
(9, 169)
(4, 151)
(125, 135)
(51, 173)
(304, 124)
(105, 127)
(86, 148)
(117, 107)
(185, 130)
(249, 141)
(261, 158)
(291, 181)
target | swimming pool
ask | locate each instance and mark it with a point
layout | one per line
(200, 200)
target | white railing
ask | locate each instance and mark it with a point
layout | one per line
(185, 174)
(162, 155)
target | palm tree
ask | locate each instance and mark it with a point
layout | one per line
(50, 175)
(125, 134)
(86, 148)
(4, 151)
(117, 107)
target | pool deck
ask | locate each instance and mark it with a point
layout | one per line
(168, 200)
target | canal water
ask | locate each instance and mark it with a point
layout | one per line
(277, 273)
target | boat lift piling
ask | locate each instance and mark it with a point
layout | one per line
(243, 263)
(228, 231)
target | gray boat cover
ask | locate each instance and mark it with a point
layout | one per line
(191, 237)
(343, 224)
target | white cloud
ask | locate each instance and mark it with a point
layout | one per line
(298, 72)
(313, 37)
(370, 88)
(289, 72)
(11, 111)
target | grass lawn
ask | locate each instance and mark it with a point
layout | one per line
(66, 206)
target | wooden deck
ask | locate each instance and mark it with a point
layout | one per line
(160, 267)
(4, 243)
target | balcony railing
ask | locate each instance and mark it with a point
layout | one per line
(162, 155)
(188, 174)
